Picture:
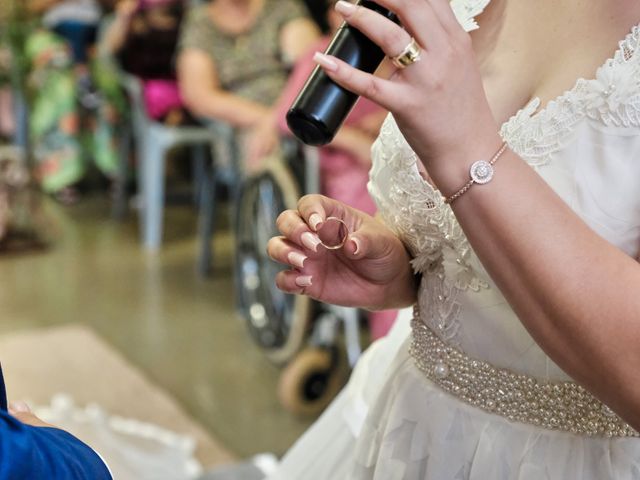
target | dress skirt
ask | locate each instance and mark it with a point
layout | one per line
(392, 423)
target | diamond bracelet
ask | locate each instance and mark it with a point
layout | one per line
(481, 172)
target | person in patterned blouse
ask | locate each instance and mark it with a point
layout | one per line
(234, 57)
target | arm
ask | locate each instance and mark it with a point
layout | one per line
(296, 37)
(203, 96)
(116, 35)
(36, 450)
(572, 290)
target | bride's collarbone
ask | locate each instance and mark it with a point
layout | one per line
(515, 71)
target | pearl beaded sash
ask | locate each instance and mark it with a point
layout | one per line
(562, 406)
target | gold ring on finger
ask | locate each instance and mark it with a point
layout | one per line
(333, 233)
(408, 56)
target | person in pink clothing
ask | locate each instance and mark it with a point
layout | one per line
(143, 36)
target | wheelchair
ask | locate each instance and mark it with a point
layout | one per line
(294, 331)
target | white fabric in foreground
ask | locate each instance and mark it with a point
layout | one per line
(133, 450)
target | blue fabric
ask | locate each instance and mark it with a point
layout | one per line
(3, 393)
(80, 37)
(42, 453)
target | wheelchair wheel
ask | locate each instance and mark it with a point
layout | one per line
(277, 321)
(310, 381)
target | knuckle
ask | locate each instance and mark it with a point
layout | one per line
(412, 5)
(279, 281)
(308, 198)
(371, 89)
(437, 83)
(271, 247)
(395, 39)
(357, 15)
(448, 52)
(309, 202)
(305, 200)
(281, 220)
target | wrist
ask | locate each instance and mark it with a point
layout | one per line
(403, 291)
(406, 294)
(450, 171)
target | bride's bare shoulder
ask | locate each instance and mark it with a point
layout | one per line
(539, 49)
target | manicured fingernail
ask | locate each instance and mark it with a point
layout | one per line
(356, 244)
(324, 61)
(304, 281)
(296, 259)
(310, 240)
(315, 220)
(345, 8)
(19, 407)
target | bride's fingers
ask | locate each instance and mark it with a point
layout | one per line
(316, 208)
(419, 19)
(391, 38)
(366, 242)
(295, 229)
(285, 252)
(293, 281)
(378, 90)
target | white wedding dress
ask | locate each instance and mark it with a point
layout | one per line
(466, 393)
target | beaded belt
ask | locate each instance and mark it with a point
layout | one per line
(562, 406)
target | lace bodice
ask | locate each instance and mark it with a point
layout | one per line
(585, 144)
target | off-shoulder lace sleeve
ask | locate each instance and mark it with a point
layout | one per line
(467, 10)
(409, 204)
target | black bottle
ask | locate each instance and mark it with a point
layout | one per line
(322, 105)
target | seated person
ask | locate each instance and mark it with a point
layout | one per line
(65, 139)
(234, 57)
(74, 20)
(143, 37)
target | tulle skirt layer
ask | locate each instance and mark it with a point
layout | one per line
(392, 423)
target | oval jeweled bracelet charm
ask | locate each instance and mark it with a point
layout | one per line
(481, 172)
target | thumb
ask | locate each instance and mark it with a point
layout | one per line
(354, 247)
(367, 242)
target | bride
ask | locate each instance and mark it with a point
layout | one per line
(518, 250)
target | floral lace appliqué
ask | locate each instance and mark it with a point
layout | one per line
(466, 11)
(611, 98)
(417, 213)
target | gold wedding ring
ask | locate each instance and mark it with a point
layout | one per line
(333, 233)
(408, 56)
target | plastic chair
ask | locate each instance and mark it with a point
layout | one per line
(153, 141)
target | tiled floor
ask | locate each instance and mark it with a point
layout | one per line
(179, 328)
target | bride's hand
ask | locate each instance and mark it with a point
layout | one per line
(439, 101)
(371, 270)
